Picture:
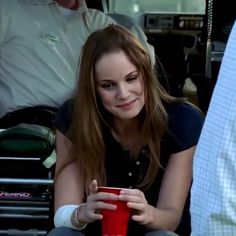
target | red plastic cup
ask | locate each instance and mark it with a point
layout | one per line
(115, 222)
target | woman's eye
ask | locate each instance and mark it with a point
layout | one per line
(107, 85)
(132, 78)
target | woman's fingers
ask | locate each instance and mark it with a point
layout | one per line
(93, 187)
(136, 206)
(132, 195)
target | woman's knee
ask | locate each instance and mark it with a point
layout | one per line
(161, 233)
(62, 231)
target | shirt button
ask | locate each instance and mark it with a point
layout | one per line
(130, 174)
(137, 163)
(143, 151)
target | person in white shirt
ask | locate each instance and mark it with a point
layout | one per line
(213, 194)
(40, 45)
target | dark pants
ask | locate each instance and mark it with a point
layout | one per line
(62, 231)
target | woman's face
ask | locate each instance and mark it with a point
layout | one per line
(119, 85)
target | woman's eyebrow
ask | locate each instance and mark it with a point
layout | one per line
(98, 82)
(131, 73)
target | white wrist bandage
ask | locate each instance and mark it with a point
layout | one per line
(64, 215)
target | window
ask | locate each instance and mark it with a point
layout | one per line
(132, 7)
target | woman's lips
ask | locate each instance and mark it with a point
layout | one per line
(127, 104)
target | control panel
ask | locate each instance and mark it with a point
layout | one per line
(159, 22)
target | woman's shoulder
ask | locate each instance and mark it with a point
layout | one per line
(184, 111)
(185, 122)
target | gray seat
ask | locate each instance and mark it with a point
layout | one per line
(128, 23)
(123, 19)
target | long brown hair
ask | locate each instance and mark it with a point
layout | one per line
(88, 119)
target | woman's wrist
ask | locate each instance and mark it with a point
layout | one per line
(67, 216)
(75, 218)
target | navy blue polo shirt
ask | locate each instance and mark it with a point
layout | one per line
(184, 126)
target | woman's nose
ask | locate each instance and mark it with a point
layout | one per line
(122, 92)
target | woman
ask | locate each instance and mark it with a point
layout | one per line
(121, 129)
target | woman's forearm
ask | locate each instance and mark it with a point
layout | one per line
(163, 218)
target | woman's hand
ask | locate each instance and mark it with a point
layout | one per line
(136, 200)
(90, 211)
